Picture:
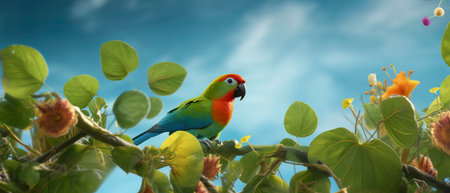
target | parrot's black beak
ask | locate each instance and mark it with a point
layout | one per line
(240, 91)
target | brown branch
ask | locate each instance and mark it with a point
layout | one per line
(411, 172)
(53, 151)
(209, 186)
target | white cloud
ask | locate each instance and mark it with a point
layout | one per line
(84, 8)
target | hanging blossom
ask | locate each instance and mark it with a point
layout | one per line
(55, 117)
(440, 132)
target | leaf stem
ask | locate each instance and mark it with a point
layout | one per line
(13, 136)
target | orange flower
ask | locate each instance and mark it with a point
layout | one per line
(55, 117)
(402, 85)
(424, 164)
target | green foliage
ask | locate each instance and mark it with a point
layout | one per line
(300, 120)
(118, 59)
(187, 164)
(310, 181)
(126, 157)
(72, 181)
(340, 150)
(16, 112)
(165, 78)
(272, 184)
(156, 107)
(372, 116)
(80, 89)
(400, 121)
(288, 142)
(24, 70)
(445, 45)
(445, 92)
(160, 183)
(250, 163)
(130, 108)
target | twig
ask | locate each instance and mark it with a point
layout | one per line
(53, 151)
(411, 172)
(13, 136)
(209, 186)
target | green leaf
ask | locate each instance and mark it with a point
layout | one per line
(445, 45)
(86, 156)
(187, 164)
(288, 142)
(160, 183)
(445, 91)
(251, 164)
(372, 115)
(118, 59)
(400, 121)
(24, 70)
(130, 108)
(72, 181)
(156, 107)
(300, 120)
(310, 180)
(165, 78)
(80, 89)
(126, 157)
(231, 174)
(18, 113)
(29, 173)
(96, 104)
(369, 167)
(434, 107)
(273, 184)
(440, 160)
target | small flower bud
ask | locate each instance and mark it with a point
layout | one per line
(439, 12)
(373, 99)
(372, 91)
(55, 117)
(383, 69)
(372, 78)
(426, 21)
(380, 85)
(366, 93)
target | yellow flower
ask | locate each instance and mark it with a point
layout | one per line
(439, 12)
(372, 79)
(347, 102)
(434, 90)
(243, 140)
(402, 85)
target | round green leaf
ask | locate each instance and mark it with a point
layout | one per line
(400, 121)
(126, 157)
(16, 112)
(160, 183)
(273, 184)
(130, 108)
(445, 45)
(96, 104)
(372, 115)
(118, 59)
(251, 164)
(369, 167)
(80, 89)
(156, 107)
(300, 120)
(445, 92)
(72, 181)
(187, 164)
(309, 181)
(165, 78)
(288, 142)
(24, 70)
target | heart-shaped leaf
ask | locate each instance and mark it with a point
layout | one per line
(369, 167)
(24, 70)
(300, 120)
(445, 45)
(400, 121)
(16, 112)
(80, 89)
(118, 59)
(130, 108)
(445, 91)
(165, 78)
(311, 180)
(126, 157)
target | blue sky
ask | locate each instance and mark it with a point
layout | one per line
(318, 52)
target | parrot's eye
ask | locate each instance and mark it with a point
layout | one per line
(230, 81)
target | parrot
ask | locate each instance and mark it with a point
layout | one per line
(204, 116)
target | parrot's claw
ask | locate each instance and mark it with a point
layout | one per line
(218, 141)
(206, 142)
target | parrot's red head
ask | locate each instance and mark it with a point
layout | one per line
(226, 87)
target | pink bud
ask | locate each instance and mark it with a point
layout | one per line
(426, 21)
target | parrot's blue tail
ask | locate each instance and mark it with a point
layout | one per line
(152, 132)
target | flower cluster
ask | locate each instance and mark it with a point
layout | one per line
(438, 12)
(55, 117)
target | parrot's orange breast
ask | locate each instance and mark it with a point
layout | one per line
(221, 111)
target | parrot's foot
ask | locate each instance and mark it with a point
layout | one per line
(206, 142)
(209, 143)
(218, 141)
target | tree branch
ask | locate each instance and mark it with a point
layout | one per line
(411, 172)
(50, 153)
(209, 186)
